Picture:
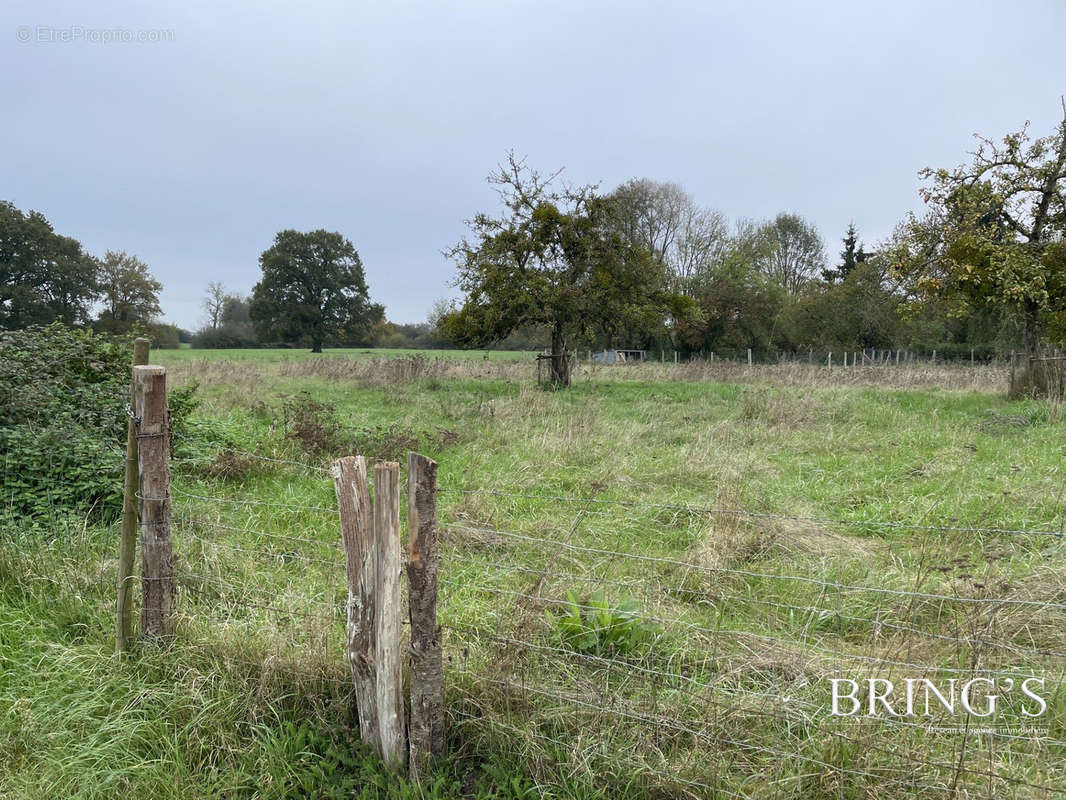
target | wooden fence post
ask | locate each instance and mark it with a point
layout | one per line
(153, 470)
(749, 356)
(128, 542)
(427, 665)
(387, 649)
(360, 560)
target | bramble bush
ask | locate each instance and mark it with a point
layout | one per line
(63, 396)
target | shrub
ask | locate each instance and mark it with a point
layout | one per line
(63, 396)
(312, 424)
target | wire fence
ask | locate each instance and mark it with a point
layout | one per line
(705, 679)
(585, 652)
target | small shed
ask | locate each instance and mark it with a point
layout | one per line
(619, 356)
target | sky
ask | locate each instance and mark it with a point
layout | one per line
(190, 133)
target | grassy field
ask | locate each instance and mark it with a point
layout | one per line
(768, 529)
(264, 355)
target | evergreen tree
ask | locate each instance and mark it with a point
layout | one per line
(851, 256)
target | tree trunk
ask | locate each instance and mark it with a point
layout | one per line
(560, 363)
(1032, 329)
(316, 345)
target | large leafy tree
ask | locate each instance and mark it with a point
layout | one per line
(555, 259)
(313, 290)
(44, 277)
(129, 292)
(993, 235)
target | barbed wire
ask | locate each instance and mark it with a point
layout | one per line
(788, 700)
(717, 738)
(709, 597)
(187, 519)
(271, 553)
(752, 574)
(718, 631)
(740, 512)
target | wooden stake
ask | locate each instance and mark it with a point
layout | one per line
(427, 666)
(128, 542)
(360, 560)
(749, 356)
(387, 650)
(153, 470)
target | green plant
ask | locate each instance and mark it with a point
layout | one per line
(596, 627)
(63, 395)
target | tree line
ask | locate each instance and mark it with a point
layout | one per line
(644, 266)
(640, 266)
(46, 277)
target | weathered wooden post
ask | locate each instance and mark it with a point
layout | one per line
(153, 470)
(387, 649)
(427, 666)
(128, 541)
(749, 356)
(360, 560)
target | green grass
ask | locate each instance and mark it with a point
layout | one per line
(254, 701)
(272, 355)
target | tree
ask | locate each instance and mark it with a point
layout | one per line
(551, 258)
(791, 251)
(993, 235)
(234, 326)
(214, 303)
(313, 290)
(129, 292)
(685, 240)
(851, 256)
(44, 277)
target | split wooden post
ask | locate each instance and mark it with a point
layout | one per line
(153, 470)
(128, 542)
(749, 356)
(427, 663)
(387, 649)
(360, 560)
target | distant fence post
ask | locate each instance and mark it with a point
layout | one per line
(427, 665)
(128, 541)
(360, 559)
(749, 356)
(387, 648)
(153, 469)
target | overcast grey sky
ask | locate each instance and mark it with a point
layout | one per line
(381, 120)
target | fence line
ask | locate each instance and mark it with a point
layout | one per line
(696, 510)
(709, 597)
(673, 724)
(761, 575)
(739, 632)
